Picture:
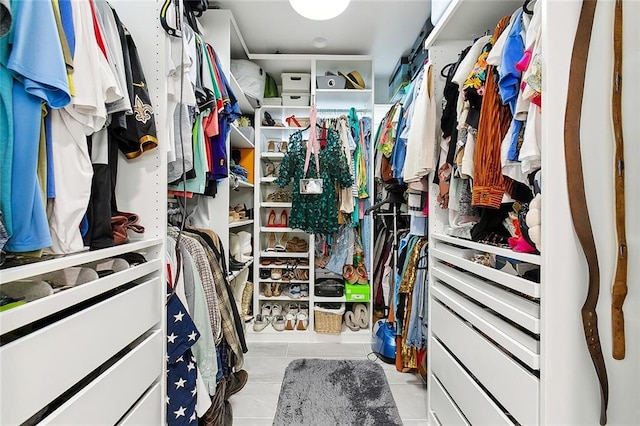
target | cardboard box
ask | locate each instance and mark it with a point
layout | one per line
(357, 292)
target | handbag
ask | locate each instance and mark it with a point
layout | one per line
(312, 186)
(121, 223)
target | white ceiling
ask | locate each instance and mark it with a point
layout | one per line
(384, 29)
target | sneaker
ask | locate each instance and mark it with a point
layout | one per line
(304, 290)
(235, 383)
(278, 323)
(294, 291)
(261, 322)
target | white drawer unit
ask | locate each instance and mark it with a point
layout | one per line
(132, 375)
(146, 411)
(507, 381)
(443, 410)
(85, 339)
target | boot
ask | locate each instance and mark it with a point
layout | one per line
(245, 248)
(247, 295)
(234, 246)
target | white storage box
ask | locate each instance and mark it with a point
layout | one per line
(272, 101)
(295, 82)
(296, 99)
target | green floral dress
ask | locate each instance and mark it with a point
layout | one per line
(315, 213)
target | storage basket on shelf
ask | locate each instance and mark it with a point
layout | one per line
(328, 320)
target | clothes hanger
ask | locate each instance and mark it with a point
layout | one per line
(524, 7)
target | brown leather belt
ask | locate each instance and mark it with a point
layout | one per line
(619, 292)
(577, 198)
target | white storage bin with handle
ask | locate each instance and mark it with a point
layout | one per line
(296, 82)
(296, 99)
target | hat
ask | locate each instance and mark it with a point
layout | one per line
(354, 80)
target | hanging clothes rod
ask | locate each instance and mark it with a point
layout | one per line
(343, 110)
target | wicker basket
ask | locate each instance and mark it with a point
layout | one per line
(328, 321)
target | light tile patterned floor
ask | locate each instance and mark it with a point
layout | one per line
(256, 404)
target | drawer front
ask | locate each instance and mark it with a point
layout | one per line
(474, 403)
(512, 385)
(442, 406)
(121, 385)
(148, 411)
(47, 362)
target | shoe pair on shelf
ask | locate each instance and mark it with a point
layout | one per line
(273, 289)
(277, 146)
(296, 316)
(280, 196)
(271, 313)
(283, 262)
(271, 169)
(275, 222)
(358, 318)
(355, 274)
(297, 245)
(238, 213)
(277, 243)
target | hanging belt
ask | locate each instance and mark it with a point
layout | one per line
(619, 291)
(577, 198)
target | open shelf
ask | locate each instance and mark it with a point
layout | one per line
(342, 99)
(524, 257)
(243, 101)
(240, 223)
(283, 254)
(243, 184)
(237, 139)
(273, 155)
(235, 274)
(66, 261)
(276, 205)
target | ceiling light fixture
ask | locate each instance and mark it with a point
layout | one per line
(319, 10)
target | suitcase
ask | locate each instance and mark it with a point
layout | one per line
(328, 288)
(251, 79)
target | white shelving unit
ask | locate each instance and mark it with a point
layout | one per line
(330, 103)
(102, 340)
(508, 350)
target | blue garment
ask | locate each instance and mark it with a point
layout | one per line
(399, 153)
(509, 82)
(416, 336)
(38, 64)
(181, 365)
(66, 16)
(51, 179)
(6, 134)
(517, 126)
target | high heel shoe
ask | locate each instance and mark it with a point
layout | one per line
(284, 219)
(271, 222)
(282, 244)
(271, 243)
(283, 147)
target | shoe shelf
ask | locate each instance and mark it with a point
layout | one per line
(275, 205)
(237, 139)
(66, 261)
(283, 298)
(243, 184)
(233, 275)
(505, 252)
(268, 179)
(319, 299)
(273, 155)
(272, 281)
(282, 266)
(278, 229)
(240, 223)
(284, 254)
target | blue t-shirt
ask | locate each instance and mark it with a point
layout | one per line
(39, 69)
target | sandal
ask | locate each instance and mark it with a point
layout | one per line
(267, 290)
(271, 243)
(276, 274)
(283, 147)
(282, 244)
(349, 274)
(271, 146)
(276, 289)
(268, 120)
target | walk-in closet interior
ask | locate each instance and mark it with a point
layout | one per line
(197, 198)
